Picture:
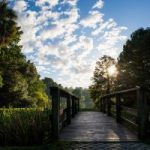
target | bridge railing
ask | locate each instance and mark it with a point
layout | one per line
(64, 107)
(130, 107)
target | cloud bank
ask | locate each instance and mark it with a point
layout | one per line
(62, 44)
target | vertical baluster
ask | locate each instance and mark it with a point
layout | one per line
(78, 104)
(142, 111)
(108, 106)
(104, 100)
(73, 106)
(118, 108)
(55, 93)
(68, 109)
(102, 104)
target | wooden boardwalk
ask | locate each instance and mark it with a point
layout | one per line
(95, 127)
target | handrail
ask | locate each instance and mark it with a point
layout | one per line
(72, 108)
(122, 92)
(142, 107)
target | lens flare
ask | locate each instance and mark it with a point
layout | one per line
(112, 70)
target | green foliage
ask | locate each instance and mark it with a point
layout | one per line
(21, 84)
(83, 94)
(8, 27)
(50, 83)
(24, 126)
(134, 61)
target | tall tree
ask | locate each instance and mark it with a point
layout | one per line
(134, 61)
(21, 84)
(102, 78)
(8, 28)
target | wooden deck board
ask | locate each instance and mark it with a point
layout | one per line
(95, 126)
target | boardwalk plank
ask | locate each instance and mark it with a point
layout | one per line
(95, 126)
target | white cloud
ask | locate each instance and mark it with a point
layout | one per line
(86, 43)
(71, 2)
(103, 26)
(52, 33)
(59, 43)
(92, 20)
(99, 4)
(20, 6)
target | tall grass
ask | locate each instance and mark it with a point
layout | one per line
(24, 126)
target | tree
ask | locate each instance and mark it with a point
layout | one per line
(15, 89)
(101, 78)
(134, 61)
(49, 83)
(22, 86)
(8, 28)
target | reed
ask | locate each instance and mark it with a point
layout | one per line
(24, 126)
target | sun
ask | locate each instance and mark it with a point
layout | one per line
(112, 70)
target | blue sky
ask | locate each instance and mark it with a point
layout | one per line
(65, 38)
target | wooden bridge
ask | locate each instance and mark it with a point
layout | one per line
(113, 122)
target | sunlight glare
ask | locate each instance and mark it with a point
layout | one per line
(112, 70)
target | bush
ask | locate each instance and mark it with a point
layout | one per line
(24, 126)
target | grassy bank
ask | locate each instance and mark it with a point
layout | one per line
(24, 126)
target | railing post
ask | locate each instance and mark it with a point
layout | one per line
(142, 111)
(73, 106)
(68, 109)
(55, 93)
(118, 108)
(108, 106)
(100, 104)
(104, 100)
(78, 104)
(103, 109)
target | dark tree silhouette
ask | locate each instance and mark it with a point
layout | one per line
(134, 61)
(8, 28)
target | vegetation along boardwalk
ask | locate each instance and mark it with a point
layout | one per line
(95, 126)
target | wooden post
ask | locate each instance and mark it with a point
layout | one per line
(68, 109)
(73, 106)
(55, 93)
(78, 105)
(142, 111)
(118, 108)
(100, 105)
(108, 106)
(104, 105)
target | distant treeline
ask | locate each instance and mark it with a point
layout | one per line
(82, 93)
